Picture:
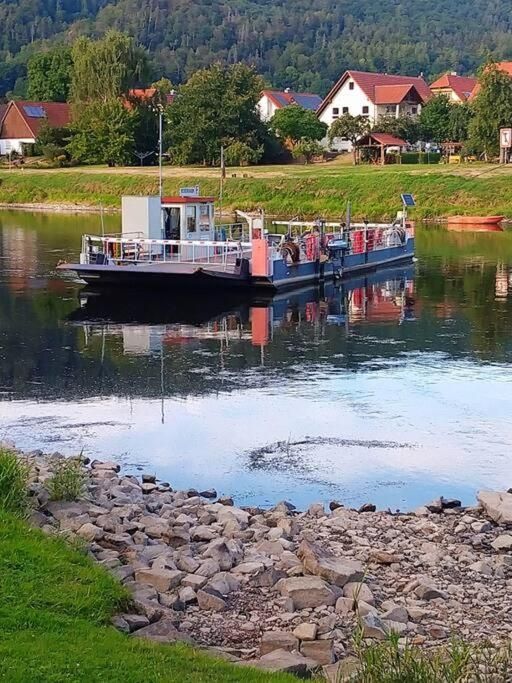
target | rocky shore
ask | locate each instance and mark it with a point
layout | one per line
(281, 589)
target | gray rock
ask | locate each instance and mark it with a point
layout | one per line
(268, 578)
(187, 564)
(194, 581)
(224, 583)
(162, 631)
(209, 493)
(210, 599)
(503, 542)
(373, 627)
(426, 591)
(306, 631)
(135, 621)
(284, 662)
(359, 592)
(187, 595)
(208, 568)
(396, 613)
(307, 591)
(90, 532)
(203, 533)
(367, 507)
(320, 562)
(278, 640)
(161, 579)
(498, 506)
(322, 651)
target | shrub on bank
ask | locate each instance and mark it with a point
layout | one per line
(68, 480)
(14, 476)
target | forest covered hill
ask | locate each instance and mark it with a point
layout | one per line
(303, 44)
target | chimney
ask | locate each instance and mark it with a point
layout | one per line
(453, 73)
(287, 90)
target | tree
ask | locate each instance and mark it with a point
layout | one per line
(405, 127)
(492, 109)
(460, 119)
(49, 75)
(352, 128)
(104, 134)
(294, 123)
(241, 154)
(106, 68)
(435, 119)
(307, 149)
(215, 107)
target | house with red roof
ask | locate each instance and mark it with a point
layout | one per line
(506, 67)
(21, 121)
(374, 95)
(456, 88)
(272, 100)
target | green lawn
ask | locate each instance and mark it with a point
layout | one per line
(55, 606)
(307, 191)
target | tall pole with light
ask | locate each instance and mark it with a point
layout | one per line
(160, 151)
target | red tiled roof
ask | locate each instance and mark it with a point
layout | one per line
(502, 66)
(384, 139)
(3, 109)
(283, 98)
(369, 81)
(462, 86)
(55, 114)
(394, 94)
(147, 94)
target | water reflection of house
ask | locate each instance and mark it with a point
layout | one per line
(19, 258)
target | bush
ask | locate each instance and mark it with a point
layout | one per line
(13, 484)
(242, 154)
(420, 158)
(390, 662)
(68, 480)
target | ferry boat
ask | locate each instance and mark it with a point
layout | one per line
(174, 242)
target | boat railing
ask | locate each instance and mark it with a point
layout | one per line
(233, 232)
(100, 250)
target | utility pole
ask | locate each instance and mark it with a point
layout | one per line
(160, 152)
(222, 176)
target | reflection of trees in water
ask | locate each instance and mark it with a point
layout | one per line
(45, 357)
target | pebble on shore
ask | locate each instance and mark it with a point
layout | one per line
(285, 590)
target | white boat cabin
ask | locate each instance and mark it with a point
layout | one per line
(169, 218)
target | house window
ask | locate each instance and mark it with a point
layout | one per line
(366, 111)
(344, 110)
(414, 110)
(335, 112)
(351, 85)
(390, 110)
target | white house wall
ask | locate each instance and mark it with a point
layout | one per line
(266, 108)
(346, 101)
(8, 145)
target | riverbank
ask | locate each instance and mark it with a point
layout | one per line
(322, 189)
(277, 589)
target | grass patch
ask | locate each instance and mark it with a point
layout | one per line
(311, 191)
(55, 607)
(68, 480)
(458, 662)
(14, 474)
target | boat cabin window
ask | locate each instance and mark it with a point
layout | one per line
(172, 223)
(191, 219)
(204, 218)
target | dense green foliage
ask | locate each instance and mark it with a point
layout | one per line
(492, 110)
(295, 123)
(304, 45)
(49, 75)
(444, 121)
(217, 106)
(55, 606)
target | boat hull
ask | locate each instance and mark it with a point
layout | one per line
(284, 276)
(475, 220)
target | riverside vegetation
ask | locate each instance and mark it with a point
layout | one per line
(322, 189)
(344, 595)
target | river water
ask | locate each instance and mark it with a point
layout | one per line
(394, 389)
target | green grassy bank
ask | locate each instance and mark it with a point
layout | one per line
(322, 189)
(55, 606)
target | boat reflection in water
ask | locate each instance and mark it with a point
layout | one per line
(147, 325)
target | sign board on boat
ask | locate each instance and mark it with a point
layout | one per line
(189, 191)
